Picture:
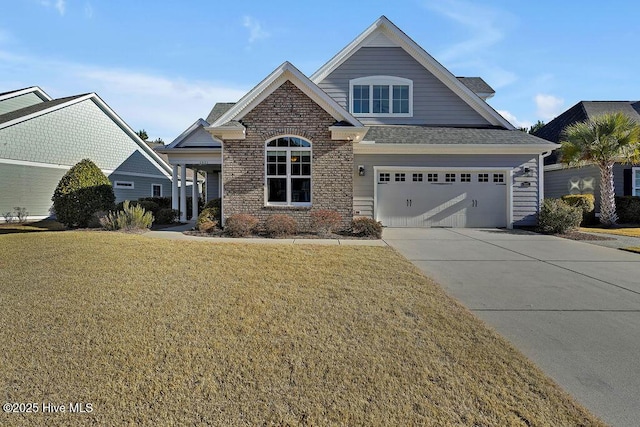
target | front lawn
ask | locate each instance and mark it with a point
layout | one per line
(156, 332)
(630, 231)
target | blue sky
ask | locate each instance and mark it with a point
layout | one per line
(163, 64)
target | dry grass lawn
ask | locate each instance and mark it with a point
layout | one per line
(154, 332)
(630, 232)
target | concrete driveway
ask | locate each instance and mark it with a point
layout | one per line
(571, 307)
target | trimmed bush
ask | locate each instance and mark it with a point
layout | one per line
(240, 225)
(208, 220)
(586, 202)
(148, 206)
(213, 203)
(557, 217)
(279, 225)
(366, 227)
(163, 202)
(81, 192)
(325, 221)
(129, 218)
(167, 216)
(628, 209)
(95, 221)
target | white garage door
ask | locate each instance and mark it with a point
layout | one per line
(430, 198)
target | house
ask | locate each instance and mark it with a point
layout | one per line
(42, 138)
(382, 130)
(561, 179)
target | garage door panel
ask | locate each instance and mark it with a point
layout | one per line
(439, 204)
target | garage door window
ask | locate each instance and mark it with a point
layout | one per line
(465, 177)
(432, 177)
(288, 171)
(417, 177)
(450, 177)
(498, 177)
(483, 177)
(400, 177)
(384, 177)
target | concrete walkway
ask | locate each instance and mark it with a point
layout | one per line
(176, 233)
(570, 306)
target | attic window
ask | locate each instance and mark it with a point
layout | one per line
(381, 96)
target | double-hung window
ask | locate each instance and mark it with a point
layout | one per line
(381, 96)
(288, 171)
(635, 176)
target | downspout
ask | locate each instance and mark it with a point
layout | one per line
(541, 176)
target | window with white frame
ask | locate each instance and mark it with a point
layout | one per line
(125, 185)
(380, 96)
(288, 171)
(635, 181)
(156, 190)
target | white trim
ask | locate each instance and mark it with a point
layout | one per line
(635, 190)
(389, 81)
(288, 176)
(33, 89)
(372, 148)
(29, 218)
(266, 87)
(124, 185)
(176, 142)
(142, 175)
(396, 35)
(508, 173)
(156, 185)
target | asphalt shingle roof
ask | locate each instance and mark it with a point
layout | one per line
(218, 110)
(448, 135)
(476, 84)
(12, 115)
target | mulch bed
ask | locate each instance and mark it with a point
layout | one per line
(576, 235)
(220, 233)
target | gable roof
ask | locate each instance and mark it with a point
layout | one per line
(18, 92)
(384, 31)
(18, 116)
(200, 123)
(478, 86)
(218, 110)
(266, 87)
(584, 110)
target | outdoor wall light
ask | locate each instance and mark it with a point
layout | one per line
(361, 170)
(526, 184)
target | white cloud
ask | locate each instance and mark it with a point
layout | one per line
(59, 5)
(88, 10)
(514, 120)
(548, 106)
(255, 29)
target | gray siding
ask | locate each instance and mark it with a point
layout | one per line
(28, 187)
(525, 199)
(433, 102)
(18, 102)
(68, 135)
(213, 185)
(141, 187)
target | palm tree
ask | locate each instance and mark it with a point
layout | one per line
(604, 140)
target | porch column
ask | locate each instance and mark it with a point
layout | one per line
(174, 187)
(183, 193)
(194, 196)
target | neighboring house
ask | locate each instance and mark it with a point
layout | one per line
(561, 180)
(42, 138)
(381, 130)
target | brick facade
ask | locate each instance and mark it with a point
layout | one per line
(288, 111)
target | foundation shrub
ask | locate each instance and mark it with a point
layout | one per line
(167, 216)
(280, 225)
(586, 202)
(130, 218)
(208, 219)
(366, 227)
(558, 217)
(628, 209)
(325, 221)
(240, 225)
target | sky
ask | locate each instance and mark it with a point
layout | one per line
(161, 65)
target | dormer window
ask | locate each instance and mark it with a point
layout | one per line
(381, 96)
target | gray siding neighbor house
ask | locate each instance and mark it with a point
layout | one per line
(382, 130)
(561, 180)
(42, 138)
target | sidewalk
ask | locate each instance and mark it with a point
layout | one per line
(176, 233)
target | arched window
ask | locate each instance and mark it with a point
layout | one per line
(288, 171)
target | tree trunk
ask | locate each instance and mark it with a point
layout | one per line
(608, 215)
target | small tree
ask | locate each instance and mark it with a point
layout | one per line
(143, 134)
(81, 192)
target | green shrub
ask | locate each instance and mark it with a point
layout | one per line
(279, 225)
(148, 206)
(96, 218)
(586, 202)
(167, 216)
(240, 225)
(557, 217)
(162, 202)
(129, 218)
(208, 220)
(213, 203)
(81, 192)
(366, 227)
(325, 221)
(628, 209)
